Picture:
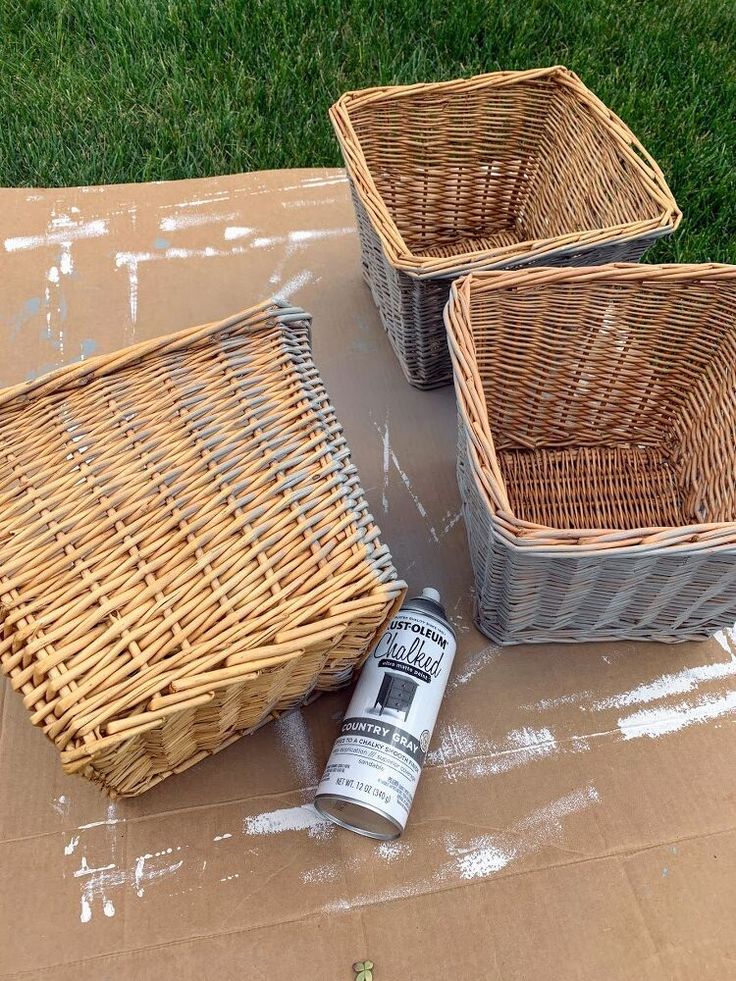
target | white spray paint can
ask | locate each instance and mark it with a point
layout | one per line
(369, 783)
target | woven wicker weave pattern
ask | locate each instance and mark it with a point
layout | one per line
(597, 449)
(501, 170)
(185, 550)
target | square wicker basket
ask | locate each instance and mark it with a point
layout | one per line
(597, 449)
(185, 551)
(497, 171)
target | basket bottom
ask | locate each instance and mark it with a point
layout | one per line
(594, 487)
(499, 239)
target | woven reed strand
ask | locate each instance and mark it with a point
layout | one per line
(495, 171)
(185, 550)
(597, 449)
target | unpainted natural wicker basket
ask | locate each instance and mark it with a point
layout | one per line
(496, 171)
(185, 551)
(597, 449)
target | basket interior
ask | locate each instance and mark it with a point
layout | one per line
(612, 404)
(488, 167)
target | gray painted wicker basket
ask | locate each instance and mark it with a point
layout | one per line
(185, 548)
(597, 450)
(497, 171)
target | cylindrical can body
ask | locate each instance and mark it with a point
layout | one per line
(373, 771)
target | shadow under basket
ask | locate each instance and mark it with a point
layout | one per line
(498, 171)
(185, 549)
(597, 450)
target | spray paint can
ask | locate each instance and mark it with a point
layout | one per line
(369, 783)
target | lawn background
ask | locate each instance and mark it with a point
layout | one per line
(107, 91)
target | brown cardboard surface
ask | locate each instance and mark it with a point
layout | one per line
(576, 817)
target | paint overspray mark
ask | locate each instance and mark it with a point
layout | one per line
(54, 298)
(664, 719)
(61, 804)
(295, 242)
(390, 458)
(150, 866)
(474, 664)
(295, 737)
(458, 618)
(99, 881)
(301, 818)
(481, 856)
(655, 722)
(386, 443)
(485, 855)
(132, 261)
(233, 232)
(450, 520)
(175, 223)
(389, 852)
(459, 858)
(61, 230)
(217, 197)
(462, 754)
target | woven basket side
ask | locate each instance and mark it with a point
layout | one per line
(410, 311)
(175, 522)
(458, 168)
(181, 740)
(704, 455)
(588, 364)
(582, 180)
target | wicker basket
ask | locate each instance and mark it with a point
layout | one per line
(597, 449)
(185, 551)
(497, 171)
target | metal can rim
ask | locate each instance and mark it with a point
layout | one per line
(351, 827)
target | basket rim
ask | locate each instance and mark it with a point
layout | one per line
(478, 438)
(398, 252)
(79, 373)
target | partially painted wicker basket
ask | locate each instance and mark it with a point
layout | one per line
(185, 551)
(497, 171)
(597, 450)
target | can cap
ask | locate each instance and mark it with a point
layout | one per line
(430, 602)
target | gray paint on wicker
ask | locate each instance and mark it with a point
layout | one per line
(498, 171)
(526, 598)
(185, 548)
(411, 309)
(633, 364)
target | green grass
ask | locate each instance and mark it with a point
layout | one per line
(101, 91)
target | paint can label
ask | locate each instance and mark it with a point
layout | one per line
(378, 755)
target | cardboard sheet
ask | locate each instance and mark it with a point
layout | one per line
(576, 817)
